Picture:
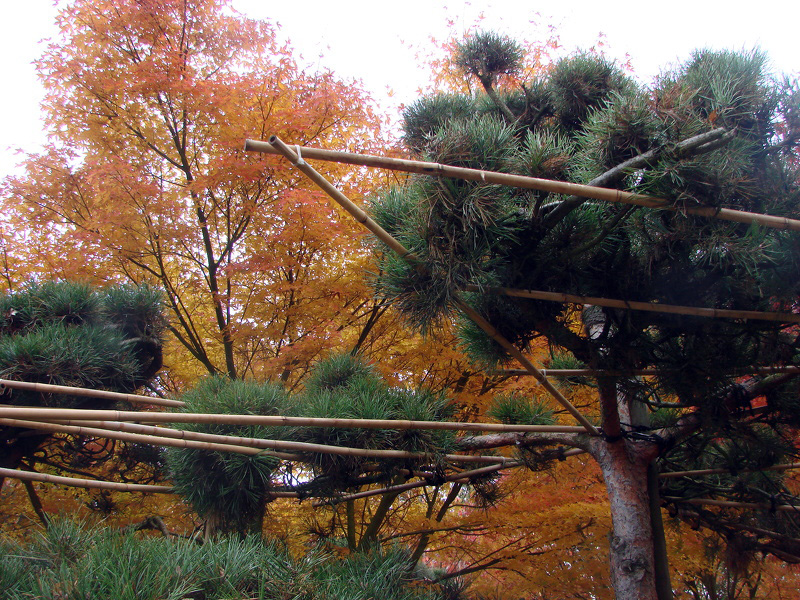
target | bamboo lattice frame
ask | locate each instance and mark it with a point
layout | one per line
(170, 437)
(361, 217)
(158, 436)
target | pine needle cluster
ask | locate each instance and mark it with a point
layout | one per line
(72, 560)
(228, 487)
(67, 333)
(345, 387)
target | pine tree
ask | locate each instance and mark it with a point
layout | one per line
(71, 334)
(718, 131)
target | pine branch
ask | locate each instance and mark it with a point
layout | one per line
(693, 146)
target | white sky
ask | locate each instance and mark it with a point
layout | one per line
(376, 41)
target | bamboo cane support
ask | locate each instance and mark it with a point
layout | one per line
(634, 372)
(85, 483)
(531, 183)
(107, 485)
(90, 393)
(263, 444)
(71, 414)
(729, 504)
(131, 437)
(700, 472)
(197, 436)
(716, 313)
(463, 475)
(360, 216)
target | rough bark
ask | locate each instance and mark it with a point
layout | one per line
(624, 464)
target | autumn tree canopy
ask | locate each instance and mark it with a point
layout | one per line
(144, 181)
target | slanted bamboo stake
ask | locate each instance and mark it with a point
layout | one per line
(729, 504)
(410, 486)
(698, 472)
(360, 216)
(68, 414)
(523, 360)
(91, 393)
(273, 444)
(716, 313)
(531, 183)
(85, 483)
(634, 372)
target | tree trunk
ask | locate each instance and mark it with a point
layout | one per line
(624, 465)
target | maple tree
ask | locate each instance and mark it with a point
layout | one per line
(716, 132)
(144, 180)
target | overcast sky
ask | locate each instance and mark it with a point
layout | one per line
(376, 41)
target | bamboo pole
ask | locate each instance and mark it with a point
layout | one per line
(70, 414)
(296, 159)
(151, 430)
(46, 388)
(531, 183)
(157, 432)
(716, 313)
(635, 372)
(107, 485)
(131, 437)
(699, 472)
(85, 483)
(729, 504)
(415, 484)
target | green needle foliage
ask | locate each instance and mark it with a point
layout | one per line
(68, 333)
(487, 55)
(471, 233)
(73, 561)
(228, 488)
(344, 387)
(718, 131)
(513, 409)
(72, 334)
(231, 490)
